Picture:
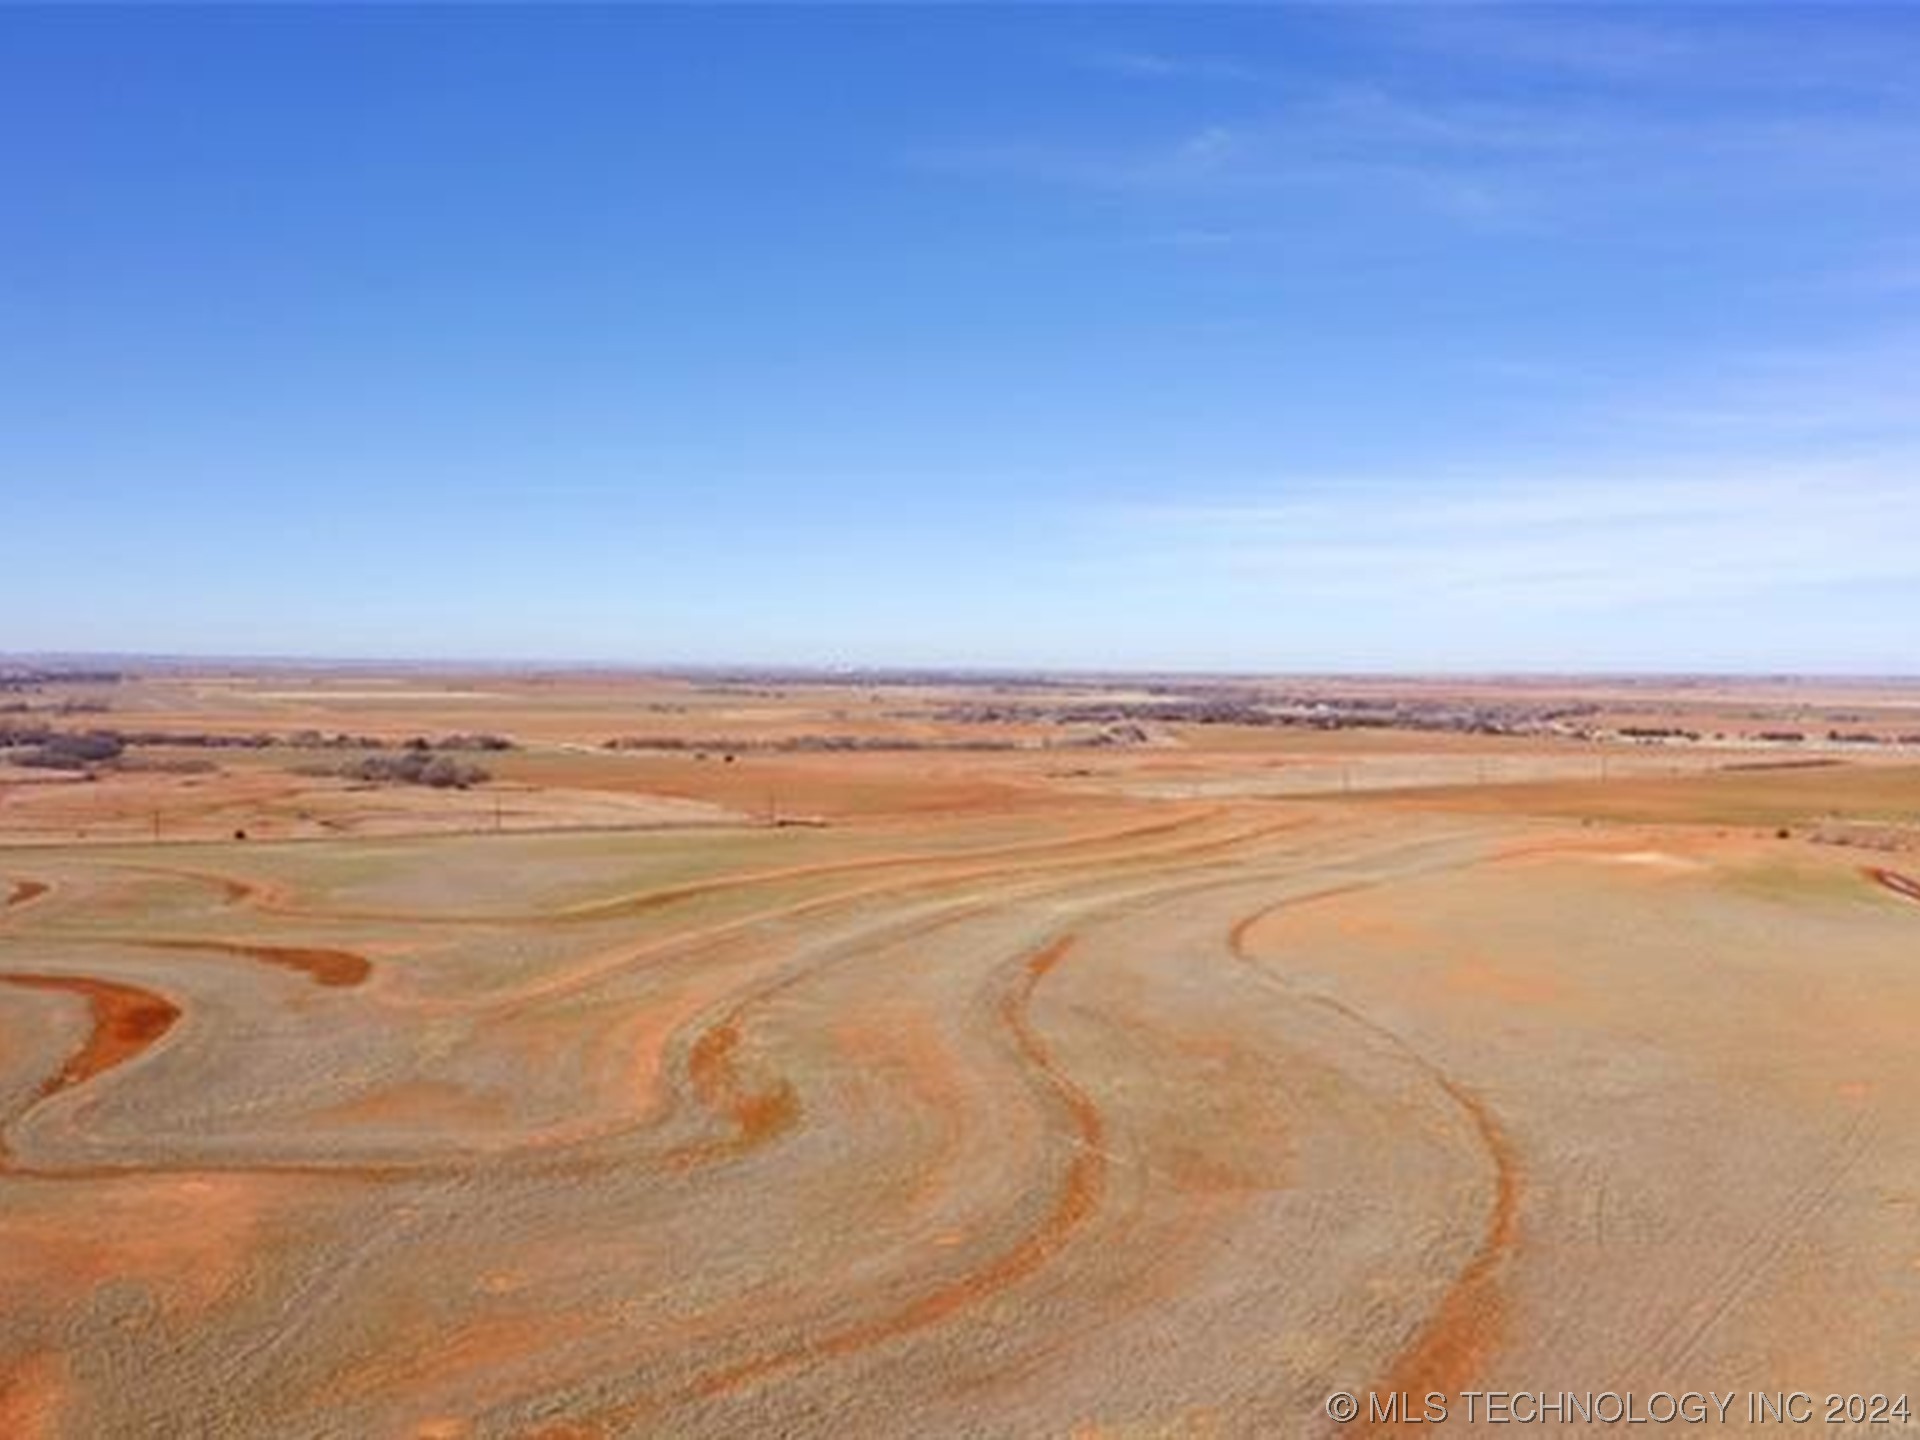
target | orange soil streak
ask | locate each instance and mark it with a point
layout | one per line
(903, 1047)
(1078, 1199)
(1084, 1181)
(278, 900)
(677, 944)
(234, 890)
(757, 1116)
(326, 967)
(25, 892)
(126, 1020)
(1903, 885)
(30, 1396)
(760, 1116)
(1237, 936)
(635, 904)
(1461, 1333)
(1456, 1339)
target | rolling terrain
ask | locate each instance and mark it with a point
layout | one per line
(1117, 1091)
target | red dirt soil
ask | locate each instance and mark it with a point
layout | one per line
(1078, 1197)
(126, 1021)
(953, 1114)
(24, 892)
(1903, 885)
(338, 968)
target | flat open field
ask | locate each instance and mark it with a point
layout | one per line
(833, 1057)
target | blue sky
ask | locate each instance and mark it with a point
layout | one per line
(1254, 338)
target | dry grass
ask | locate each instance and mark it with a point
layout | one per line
(1034, 1093)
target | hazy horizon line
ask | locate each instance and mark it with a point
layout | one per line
(511, 664)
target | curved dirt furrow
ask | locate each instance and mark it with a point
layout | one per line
(1452, 1347)
(1062, 1193)
(278, 899)
(338, 969)
(677, 944)
(1458, 1336)
(716, 1077)
(754, 1114)
(126, 1021)
(1078, 1203)
(769, 1110)
(761, 1112)
(720, 1073)
(24, 892)
(1904, 886)
(713, 1063)
(622, 906)
(1077, 1199)
(757, 1114)
(235, 890)
(718, 1323)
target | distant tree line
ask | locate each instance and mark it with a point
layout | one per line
(1295, 712)
(81, 751)
(408, 767)
(57, 707)
(30, 677)
(37, 744)
(796, 744)
(1117, 733)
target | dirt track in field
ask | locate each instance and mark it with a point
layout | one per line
(1893, 880)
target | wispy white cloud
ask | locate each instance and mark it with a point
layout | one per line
(1492, 155)
(1458, 165)
(1369, 130)
(1702, 48)
(1846, 393)
(1673, 437)
(1469, 544)
(1748, 475)
(1160, 65)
